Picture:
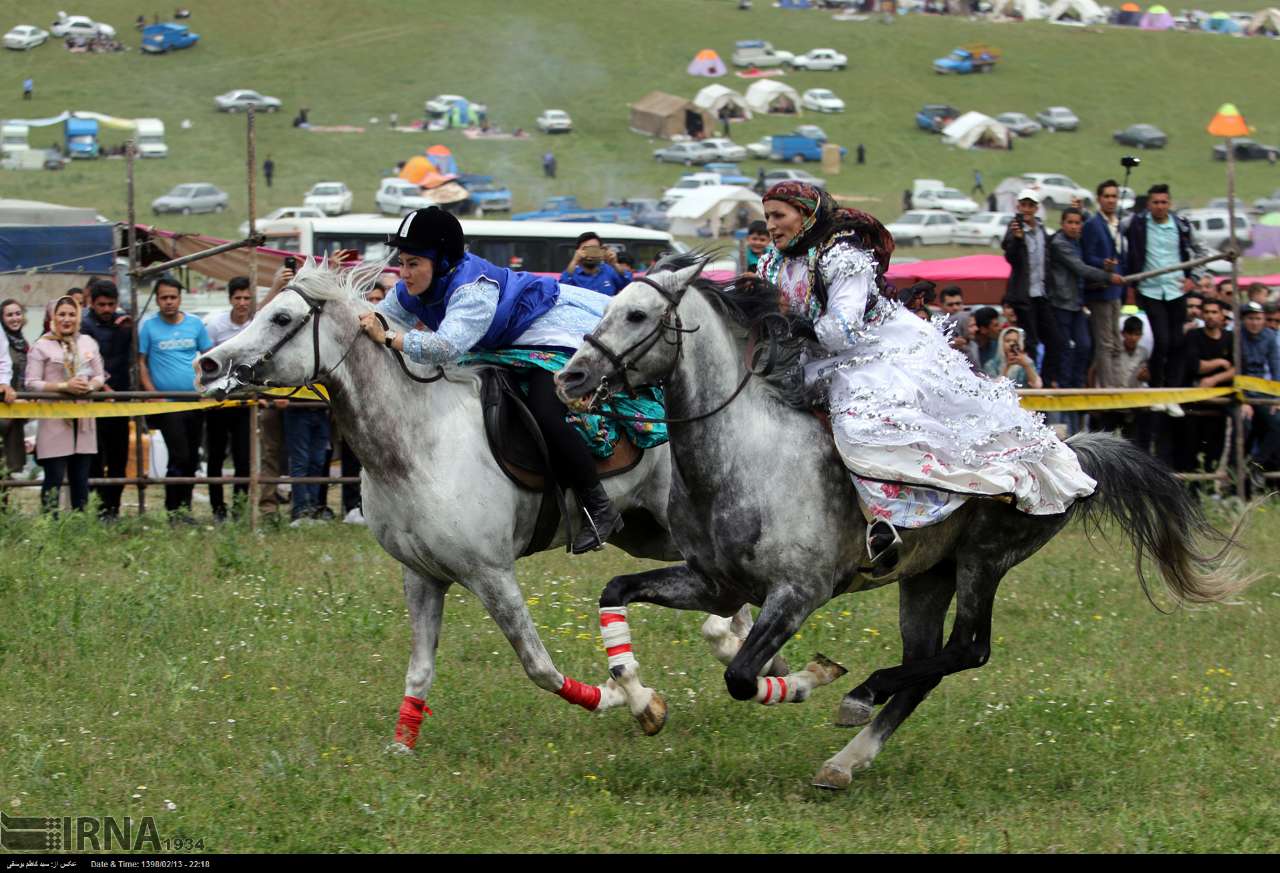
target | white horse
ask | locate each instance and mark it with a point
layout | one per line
(433, 495)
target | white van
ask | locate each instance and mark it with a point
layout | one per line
(1211, 228)
(13, 139)
(151, 142)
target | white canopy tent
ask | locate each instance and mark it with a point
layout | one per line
(973, 130)
(712, 210)
(715, 98)
(768, 96)
(1267, 21)
(1027, 10)
(1084, 11)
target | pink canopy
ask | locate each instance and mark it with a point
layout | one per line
(970, 268)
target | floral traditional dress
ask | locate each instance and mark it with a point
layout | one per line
(915, 426)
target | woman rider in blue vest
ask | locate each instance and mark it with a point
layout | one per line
(468, 304)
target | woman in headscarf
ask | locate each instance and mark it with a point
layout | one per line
(917, 428)
(1012, 361)
(13, 452)
(66, 361)
(466, 305)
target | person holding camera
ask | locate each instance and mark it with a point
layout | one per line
(1012, 362)
(1026, 248)
(595, 267)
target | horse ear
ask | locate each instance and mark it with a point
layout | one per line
(676, 281)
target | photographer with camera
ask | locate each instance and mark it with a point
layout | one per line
(1026, 249)
(595, 267)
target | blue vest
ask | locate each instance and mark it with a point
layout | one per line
(522, 298)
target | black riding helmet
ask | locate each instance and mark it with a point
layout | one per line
(430, 233)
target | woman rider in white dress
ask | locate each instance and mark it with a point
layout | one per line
(918, 430)
(468, 304)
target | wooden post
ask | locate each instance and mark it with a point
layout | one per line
(251, 168)
(253, 462)
(131, 154)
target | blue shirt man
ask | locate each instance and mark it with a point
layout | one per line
(595, 267)
(169, 344)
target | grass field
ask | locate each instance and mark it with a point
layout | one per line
(593, 59)
(241, 688)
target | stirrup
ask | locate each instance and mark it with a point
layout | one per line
(888, 551)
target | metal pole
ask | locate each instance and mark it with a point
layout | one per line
(157, 269)
(251, 168)
(135, 376)
(253, 462)
(1237, 326)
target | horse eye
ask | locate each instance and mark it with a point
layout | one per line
(636, 316)
(280, 318)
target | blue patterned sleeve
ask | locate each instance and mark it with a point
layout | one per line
(466, 321)
(390, 309)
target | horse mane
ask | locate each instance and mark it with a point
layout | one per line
(325, 280)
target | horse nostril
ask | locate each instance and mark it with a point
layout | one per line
(568, 378)
(209, 366)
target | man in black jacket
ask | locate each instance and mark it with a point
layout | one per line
(113, 331)
(1026, 248)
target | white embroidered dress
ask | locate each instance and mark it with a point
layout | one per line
(907, 411)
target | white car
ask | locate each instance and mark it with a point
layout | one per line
(282, 213)
(924, 227)
(1211, 227)
(689, 183)
(945, 198)
(1056, 191)
(821, 100)
(761, 148)
(81, 26)
(25, 36)
(726, 149)
(398, 197)
(442, 104)
(982, 229)
(820, 59)
(773, 177)
(555, 121)
(241, 99)
(331, 198)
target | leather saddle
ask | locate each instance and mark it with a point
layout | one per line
(521, 452)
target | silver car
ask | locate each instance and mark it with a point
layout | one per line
(241, 99)
(1019, 123)
(193, 197)
(1058, 118)
(687, 153)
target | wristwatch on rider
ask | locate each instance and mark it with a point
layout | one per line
(390, 338)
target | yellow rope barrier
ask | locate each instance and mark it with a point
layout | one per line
(126, 408)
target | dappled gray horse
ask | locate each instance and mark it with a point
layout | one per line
(433, 495)
(764, 512)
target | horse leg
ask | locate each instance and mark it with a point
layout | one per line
(922, 612)
(784, 611)
(425, 599)
(677, 587)
(725, 636)
(504, 602)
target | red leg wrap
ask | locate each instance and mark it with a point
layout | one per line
(586, 696)
(411, 710)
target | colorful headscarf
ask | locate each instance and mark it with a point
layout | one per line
(823, 217)
(70, 344)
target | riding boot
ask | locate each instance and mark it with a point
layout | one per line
(602, 520)
(882, 546)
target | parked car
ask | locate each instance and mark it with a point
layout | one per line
(1247, 150)
(1057, 191)
(1212, 228)
(555, 121)
(924, 227)
(821, 100)
(1019, 123)
(486, 194)
(1268, 204)
(192, 197)
(567, 208)
(975, 58)
(241, 99)
(1143, 136)
(761, 148)
(758, 53)
(1221, 203)
(1058, 118)
(948, 199)
(25, 36)
(820, 59)
(812, 131)
(935, 116)
(332, 198)
(689, 183)
(982, 229)
(282, 213)
(726, 149)
(161, 38)
(397, 197)
(81, 26)
(729, 173)
(687, 153)
(772, 177)
(442, 104)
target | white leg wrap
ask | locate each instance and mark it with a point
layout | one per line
(617, 636)
(611, 695)
(783, 689)
(724, 644)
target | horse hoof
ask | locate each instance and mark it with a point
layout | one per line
(653, 718)
(824, 669)
(832, 778)
(398, 749)
(853, 713)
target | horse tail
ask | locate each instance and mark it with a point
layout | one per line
(1197, 562)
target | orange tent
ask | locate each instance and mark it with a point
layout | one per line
(416, 168)
(1131, 7)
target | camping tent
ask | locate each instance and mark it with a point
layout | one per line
(442, 159)
(667, 116)
(1027, 10)
(773, 97)
(1130, 15)
(706, 63)
(715, 98)
(1156, 18)
(716, 204)
(1084, 11)
(1266, 22)
(431, 170)
(975, 130)
(794, 4)
(1007, 193)
(1220, 22)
